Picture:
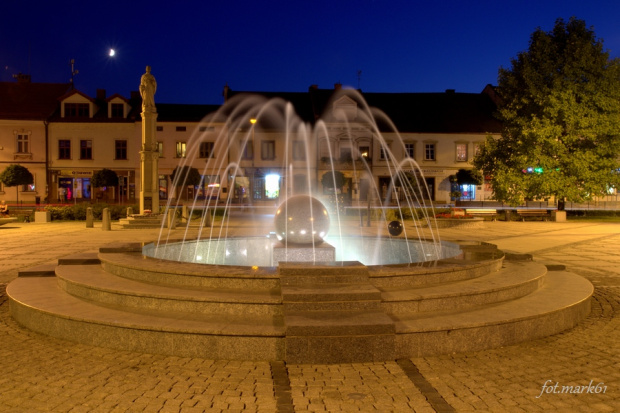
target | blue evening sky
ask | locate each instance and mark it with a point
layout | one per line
(196, 47)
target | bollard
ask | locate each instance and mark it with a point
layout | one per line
(206, 218)
(184, 216)
(105, 220)
(129, 212)
(171, 219)
(89, 218)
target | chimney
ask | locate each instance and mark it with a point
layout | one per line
(451, 91)
(313, 87)
(101, 94)
(134, 95)
(225, 92)
(22, 78)
(337, 86)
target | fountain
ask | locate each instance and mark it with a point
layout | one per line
(313, 288)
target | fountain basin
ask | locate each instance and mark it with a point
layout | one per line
(258, 251)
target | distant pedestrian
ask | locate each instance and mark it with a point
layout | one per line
(4, 209)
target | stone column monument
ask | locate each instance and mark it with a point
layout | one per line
(149, 155)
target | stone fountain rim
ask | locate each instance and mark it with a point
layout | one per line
(444, 262)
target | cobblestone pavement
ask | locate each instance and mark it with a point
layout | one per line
(45, 374)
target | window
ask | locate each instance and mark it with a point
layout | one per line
(64, 149)
(299, 151)
(410, 150)
(206, 128)
(247, 151)
(77, 110)
(345, 154)
(117, 110)
(181, 128)
(383, 152)
(160, 149)
(206, 149)
(23, 143)
(429, 151)
(159, 128)
(461, 152)
(120, 149)
(86, 149)
(181, 147)
(365, 152)
(268, 150)
(477, 147)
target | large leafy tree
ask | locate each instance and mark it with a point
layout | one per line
(15, 175)
(560, 108)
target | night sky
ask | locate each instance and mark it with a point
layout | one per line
(196, 47)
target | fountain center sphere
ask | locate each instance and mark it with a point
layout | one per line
(301, 219)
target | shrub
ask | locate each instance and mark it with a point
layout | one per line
(78, 212)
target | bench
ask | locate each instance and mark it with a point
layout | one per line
(523, 213)
(482, 212)
(25, 213)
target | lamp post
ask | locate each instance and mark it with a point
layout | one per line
(253, 122)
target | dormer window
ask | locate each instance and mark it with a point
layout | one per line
(77, 110)
(117, 110)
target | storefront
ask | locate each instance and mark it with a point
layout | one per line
(71, 185)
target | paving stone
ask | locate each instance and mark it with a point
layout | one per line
(41, 373)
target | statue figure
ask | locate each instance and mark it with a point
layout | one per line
(148, 86)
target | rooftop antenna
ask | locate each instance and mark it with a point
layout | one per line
(73, 72)
(359, 78)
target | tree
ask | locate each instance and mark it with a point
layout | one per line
(15, 175)
(104, 178)
(183, 176)
(468, 177)
(333, 180)
(560, 108)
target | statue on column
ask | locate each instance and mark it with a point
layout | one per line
(148, 86)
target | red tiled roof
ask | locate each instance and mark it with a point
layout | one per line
(32, 101)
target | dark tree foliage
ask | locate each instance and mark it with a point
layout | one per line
(15, 175)
(184, 176)
(468, 177)
(104, 177)
(333, 179)
(560, 110)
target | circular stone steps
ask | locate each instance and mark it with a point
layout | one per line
(299, 313)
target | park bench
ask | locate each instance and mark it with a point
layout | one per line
(482, 212)
(25, 213)
(523, 213)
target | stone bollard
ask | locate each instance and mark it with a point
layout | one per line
(129, 211)
(184, 216)
(206, 218)
(106, 225)
(171, 219)
(89, 218)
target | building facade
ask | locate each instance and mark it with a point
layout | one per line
(279, 145)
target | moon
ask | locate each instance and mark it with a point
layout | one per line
(112, 52)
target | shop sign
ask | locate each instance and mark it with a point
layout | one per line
(75, 174)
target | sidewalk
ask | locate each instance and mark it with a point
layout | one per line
(45, 374)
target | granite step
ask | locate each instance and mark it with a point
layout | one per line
(347, 272)
(182, 274)
(562, 302)
(40, 305)
(338, 337)
(91, 282)
(330, 297)
(516, 279)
